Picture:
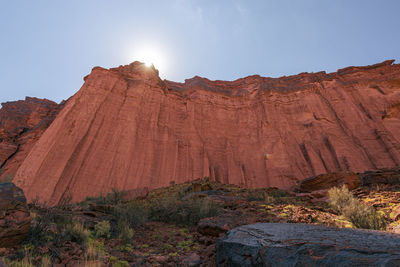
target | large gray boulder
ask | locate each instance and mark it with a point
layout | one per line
(284, 244)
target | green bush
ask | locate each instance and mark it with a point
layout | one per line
(94, 250)
(113, 198)
(134, 212)
(49, 227)
(102, 229)
(361, 215)
(125, 232)
(185, 212)
(75, 232)
(254, 195)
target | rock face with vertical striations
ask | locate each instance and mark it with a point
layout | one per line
(126, 128)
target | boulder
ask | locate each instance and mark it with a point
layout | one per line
(14, 215)
(283, 244)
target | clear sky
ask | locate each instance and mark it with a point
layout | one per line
(47, 47)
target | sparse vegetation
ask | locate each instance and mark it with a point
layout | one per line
(133, 212)
(361, 215)
(112, 231)
(185, 212)
(125, 232)
(77, 233)
(102, 229)
(46, 261)
(270, 196)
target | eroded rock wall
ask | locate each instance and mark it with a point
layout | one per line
(128, 129)
(21, 124)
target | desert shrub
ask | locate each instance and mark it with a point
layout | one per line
(22, 263)
(113, 198)
(185, 212)
(102, 229)
(121, 264)
(125, 232)
(256, 196)
(76, 232)
(364, 216)
(270, 196)
(94, 250)
(134, 212)
(57, 228)
(361, 215)
(46, 261)
(277, 193)
(339, 198)
(48, 227)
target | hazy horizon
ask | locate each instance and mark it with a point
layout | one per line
(47, 47)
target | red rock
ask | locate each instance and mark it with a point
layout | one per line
(127, 129)
(321, 183)
(383, 176)
(21, 124)
(14, 216)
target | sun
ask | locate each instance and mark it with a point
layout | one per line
(150, 55)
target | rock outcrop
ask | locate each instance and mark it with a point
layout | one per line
(127, 129)
(382, 176)
(326, 181)
(281, 244)
(21, 124)
(14, 215)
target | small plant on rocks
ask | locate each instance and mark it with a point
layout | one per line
(102, 229)
(361, 215)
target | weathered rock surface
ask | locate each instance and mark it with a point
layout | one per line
(127, 129)
(21, 124)
(14, 215)
(382, 176)
(279, 244)
(326, 181)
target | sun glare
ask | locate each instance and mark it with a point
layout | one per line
(150, 56)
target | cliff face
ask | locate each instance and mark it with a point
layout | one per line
(128, 129)
(21, 124)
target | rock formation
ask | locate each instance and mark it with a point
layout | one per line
(281, 244)
(126, 128)
(21, 124)
(14, 215)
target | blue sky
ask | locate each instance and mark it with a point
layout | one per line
(47, 47)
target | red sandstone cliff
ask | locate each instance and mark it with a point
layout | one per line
(21, 124)
(128, 129)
